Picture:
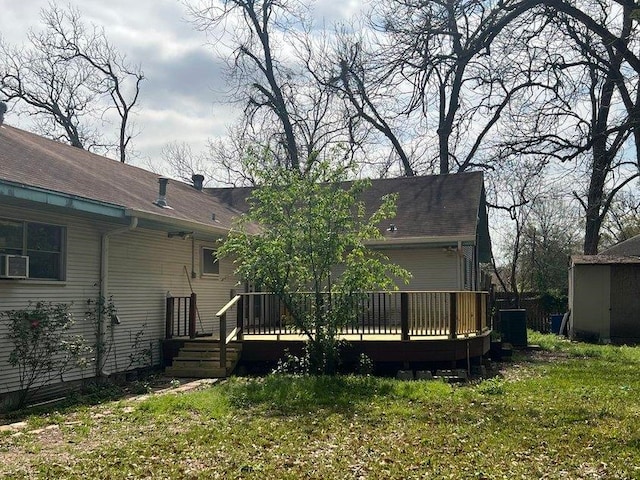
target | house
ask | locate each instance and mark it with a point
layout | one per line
(604, 295)
(440, 232)
(113, 231)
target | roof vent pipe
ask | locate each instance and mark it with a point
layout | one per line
(197, 180)
(3, 109)
(162, 194)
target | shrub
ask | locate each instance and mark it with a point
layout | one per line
(43, 347)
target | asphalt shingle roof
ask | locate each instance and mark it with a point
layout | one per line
(630, 247)
(31, 160)
(428, 206)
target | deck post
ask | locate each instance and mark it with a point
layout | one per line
(168, 330)
(223, 341)
(240, 318)
(453, 314)
(479, 313)
(192, 316)
(404, 315)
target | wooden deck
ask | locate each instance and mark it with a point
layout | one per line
(406, 327)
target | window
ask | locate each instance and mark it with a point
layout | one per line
(42, 243)
(210, 264)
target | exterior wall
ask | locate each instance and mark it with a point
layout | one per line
(433, 269)
(625, 304)
(143, 266)
(589, 300)
(82, 283)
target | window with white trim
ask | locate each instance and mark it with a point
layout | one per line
(41, 242)
(210, 263)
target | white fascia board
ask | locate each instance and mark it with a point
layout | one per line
(177, 223)
(418, 241)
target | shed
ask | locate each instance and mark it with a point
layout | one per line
(604, 295)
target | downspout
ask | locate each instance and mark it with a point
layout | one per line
(104, 285)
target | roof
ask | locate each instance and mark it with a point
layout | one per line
(626, 252)
(31, 161)
(429, 208)
(629, 247)
(602, 259)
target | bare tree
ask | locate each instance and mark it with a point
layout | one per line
(261, 76)
(623, 219)
(591, 120)
(442, 50)
(70, 77)
(57, 93)
(274, 69)
(184, 164)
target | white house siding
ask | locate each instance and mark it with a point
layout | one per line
(590, 300)
(82, 283)
(433, 269)
(144, 266)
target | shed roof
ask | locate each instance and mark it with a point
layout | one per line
(604, 259)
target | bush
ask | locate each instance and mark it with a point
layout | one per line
(43, 348)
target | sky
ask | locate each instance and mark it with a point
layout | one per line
(184, 96)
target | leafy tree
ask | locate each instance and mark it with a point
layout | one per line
(311, 246)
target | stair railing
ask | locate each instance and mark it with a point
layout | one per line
(235, 333)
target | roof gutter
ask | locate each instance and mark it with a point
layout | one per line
(417, 241)
(60, 199)
(174, 223)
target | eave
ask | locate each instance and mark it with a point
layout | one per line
(59, 199)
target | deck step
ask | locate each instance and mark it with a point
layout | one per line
(196, 372)
(209, 347)
(194, 355)
(183, 363)
(206, 345)
(202, 359)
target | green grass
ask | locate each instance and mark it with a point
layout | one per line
(571, 411)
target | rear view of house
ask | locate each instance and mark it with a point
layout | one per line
(80, 229)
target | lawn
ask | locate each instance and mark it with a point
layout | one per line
(568, 411)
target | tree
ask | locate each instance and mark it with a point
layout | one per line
(354, 73)
(441, 53)
(591, 118)
(263, 80)
(623, 219)
(71, 77)
(548, 241)
(313, 229)
(184, 164)
(275, 59)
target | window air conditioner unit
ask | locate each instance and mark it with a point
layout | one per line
(14, 266)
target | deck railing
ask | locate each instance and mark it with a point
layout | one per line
(408, 314)
(180, 317)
